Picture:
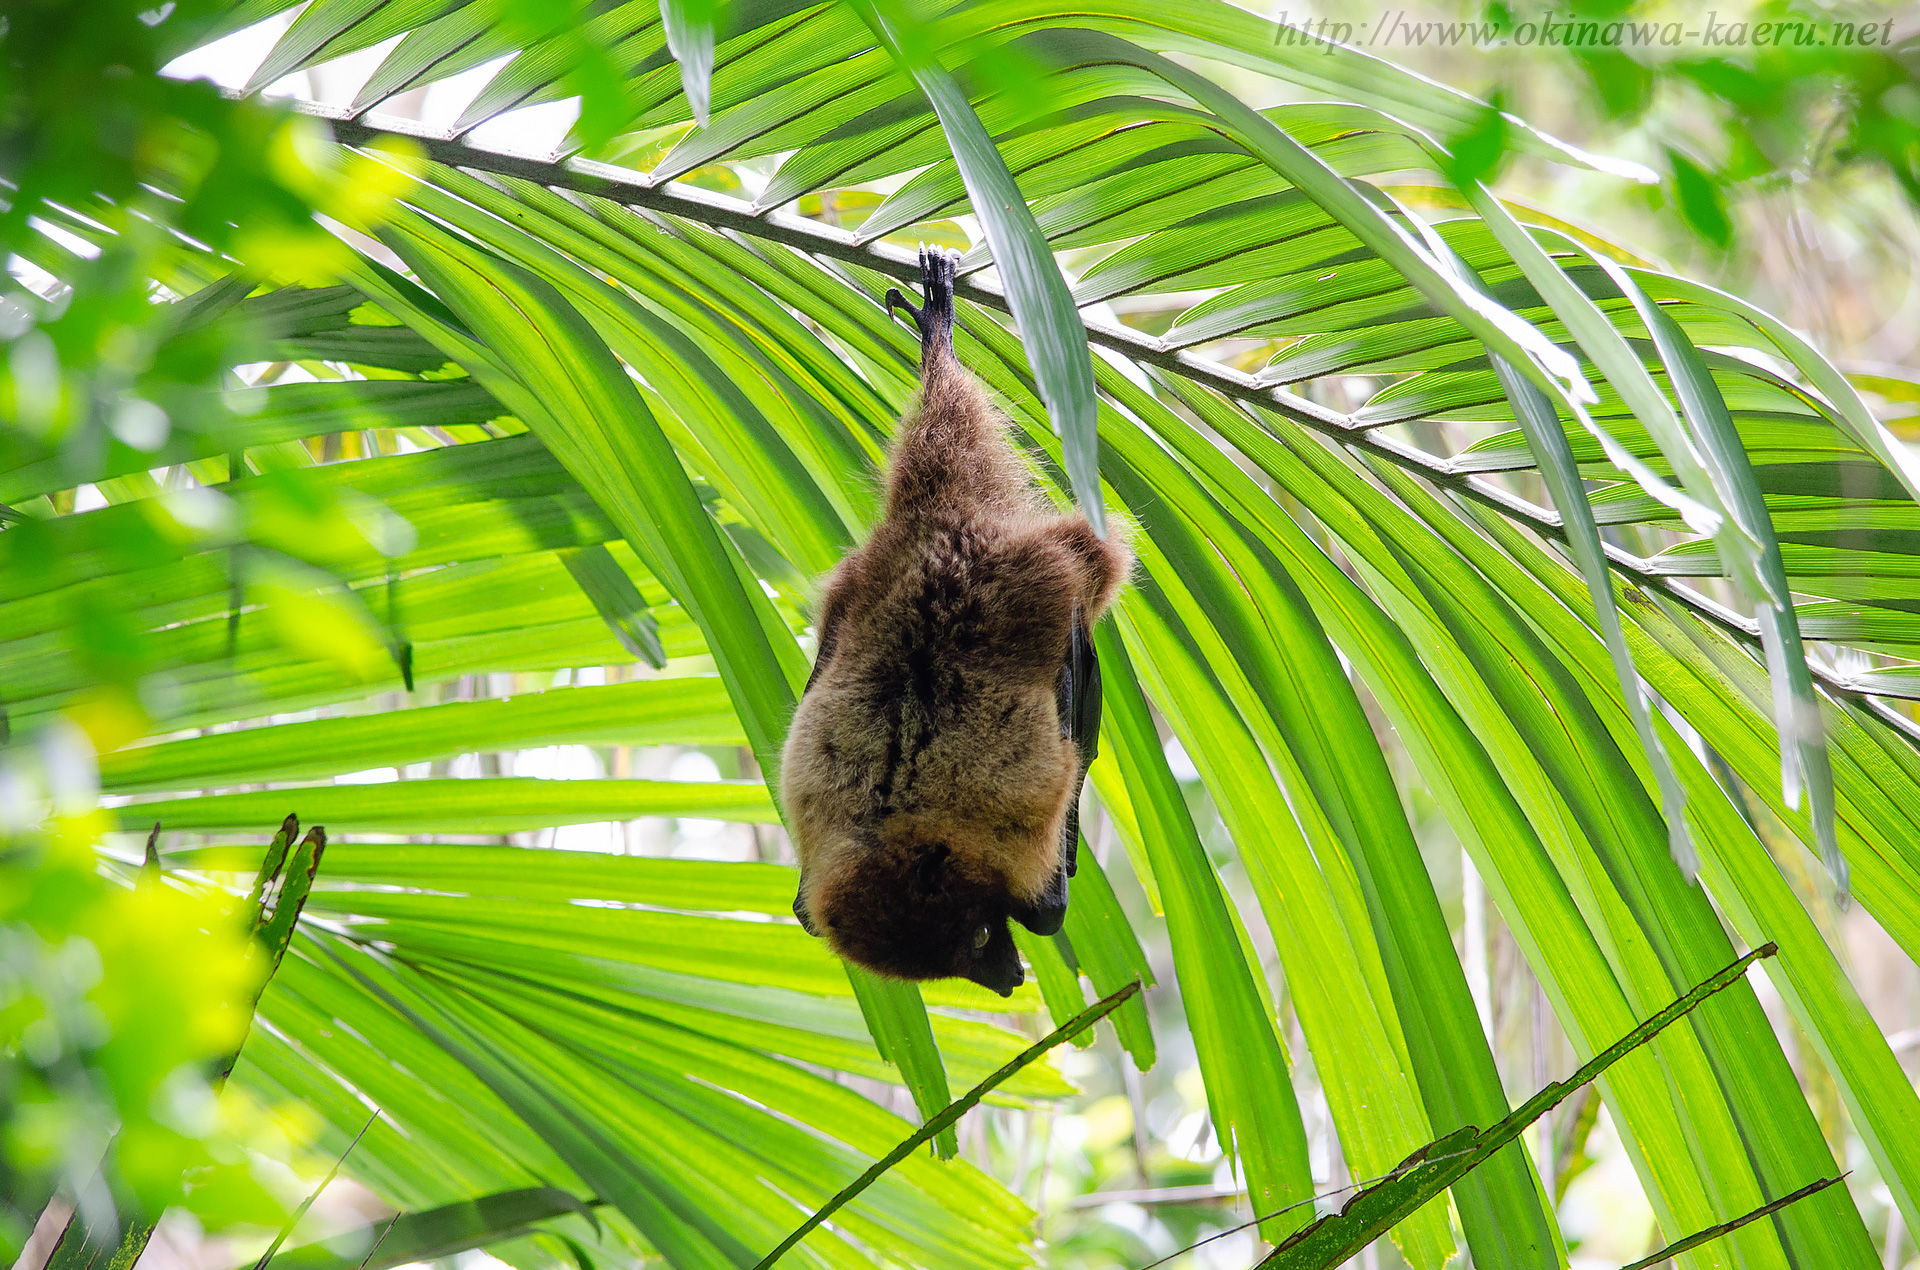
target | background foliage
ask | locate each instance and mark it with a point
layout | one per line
(390, 479)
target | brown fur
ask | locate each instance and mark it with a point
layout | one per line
(925, 776)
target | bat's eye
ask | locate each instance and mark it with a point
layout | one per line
(980, 938)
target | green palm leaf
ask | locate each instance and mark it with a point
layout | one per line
(587, 411)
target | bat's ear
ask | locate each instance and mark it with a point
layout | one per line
(930, 870)
(996, 967)
(1046, 915)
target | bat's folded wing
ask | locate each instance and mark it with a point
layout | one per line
(1077, 697)
(1084, 665)
(1048, 914)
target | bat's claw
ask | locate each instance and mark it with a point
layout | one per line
(913, 311)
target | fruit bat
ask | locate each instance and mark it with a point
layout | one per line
(933, 770)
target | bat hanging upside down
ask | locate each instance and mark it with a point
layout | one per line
(932, 776)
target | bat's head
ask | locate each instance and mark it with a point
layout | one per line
(917, 909)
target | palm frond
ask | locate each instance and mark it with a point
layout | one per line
(1332, 422)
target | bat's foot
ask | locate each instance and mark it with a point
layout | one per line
(937, 268)
(935, 321)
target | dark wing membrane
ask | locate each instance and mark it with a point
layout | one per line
(1084, 665)
(1046, 915)
(800, 910)
(829, 635)
(1077, 698)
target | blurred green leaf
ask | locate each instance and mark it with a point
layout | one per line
(437, 1232)
(1701, 203)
